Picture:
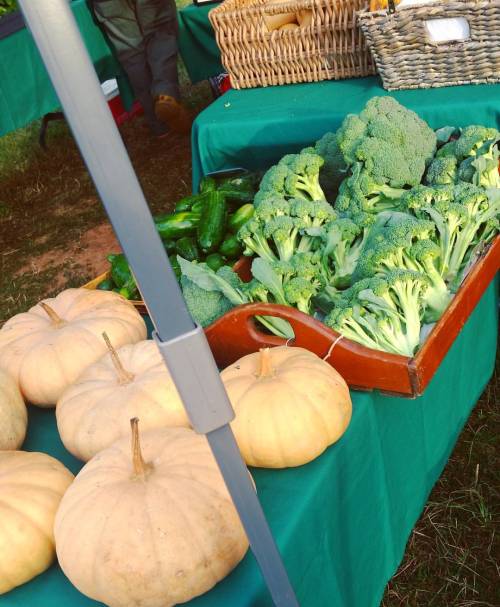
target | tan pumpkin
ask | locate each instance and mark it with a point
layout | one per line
(130, 382)
(13, 414)
(47, 348)
(31, 487)
(152, 531)
(290, 406)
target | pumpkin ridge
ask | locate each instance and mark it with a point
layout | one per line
(23, 515)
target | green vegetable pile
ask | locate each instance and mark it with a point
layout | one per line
(203, 227)
(411, 210)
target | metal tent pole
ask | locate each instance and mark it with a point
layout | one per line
(182, 344)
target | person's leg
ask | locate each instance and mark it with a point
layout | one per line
(158, 22)
(119, 21)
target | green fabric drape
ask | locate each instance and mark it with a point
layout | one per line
(255, 127)
(197, 45)
(342, 521)
(26, 92)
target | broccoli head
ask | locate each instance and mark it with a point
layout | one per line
(204, 306)
(442, 171)
(382, 313)
(393, 143)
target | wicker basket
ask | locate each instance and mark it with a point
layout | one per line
(407, 58)
(331, 47)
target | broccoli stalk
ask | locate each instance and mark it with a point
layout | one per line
(437, 296)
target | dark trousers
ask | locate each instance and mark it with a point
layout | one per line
(144, 36)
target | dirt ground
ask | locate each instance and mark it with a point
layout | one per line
(54, 234)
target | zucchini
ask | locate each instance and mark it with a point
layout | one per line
(215, 261)
(212, 225)
(240, 217)
(186, 247)
(231, 247)
(176, 225)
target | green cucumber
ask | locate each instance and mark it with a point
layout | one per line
(207, 184)
(105, 285)
(215, 261)
(186, 203)
(212, 225)
(120, 270)
(231, 247)
(186, 247)
(240, 217)
(176, 225)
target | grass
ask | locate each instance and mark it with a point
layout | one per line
(48, 206)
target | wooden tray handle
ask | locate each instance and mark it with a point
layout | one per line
(237, 333)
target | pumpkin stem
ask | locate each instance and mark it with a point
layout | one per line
(57, 321)
(124, 376)
(141, 468)
(266, 368)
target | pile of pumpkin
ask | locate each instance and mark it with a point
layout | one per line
(148, 520)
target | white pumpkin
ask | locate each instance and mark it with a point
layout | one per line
(131, 382)
(290, 406)
(152, 532)
(47, 348)
(31, 487)
(13, 414)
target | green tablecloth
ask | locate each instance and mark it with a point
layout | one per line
(26, 92)
(256, 127)
(342, 521)
(197, 45)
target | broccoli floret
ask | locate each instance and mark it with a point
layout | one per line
(384, 314)
(272, 184)
(282, 232)
(481, 167)
(295, 176)
(204, 306)
(388, 246)
(302, 180)
(334, 168)
(459, 213)
(480, 209)
(361, 192)
(392, 142)
(280, 228)
(299, 291)
(343, 241)
(473, 138)
(437, 296)
(466, 170)
(252, 237)
(442, 171)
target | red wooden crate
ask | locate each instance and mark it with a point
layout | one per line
(237, 333)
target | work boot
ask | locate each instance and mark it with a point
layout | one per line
(169, 111)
